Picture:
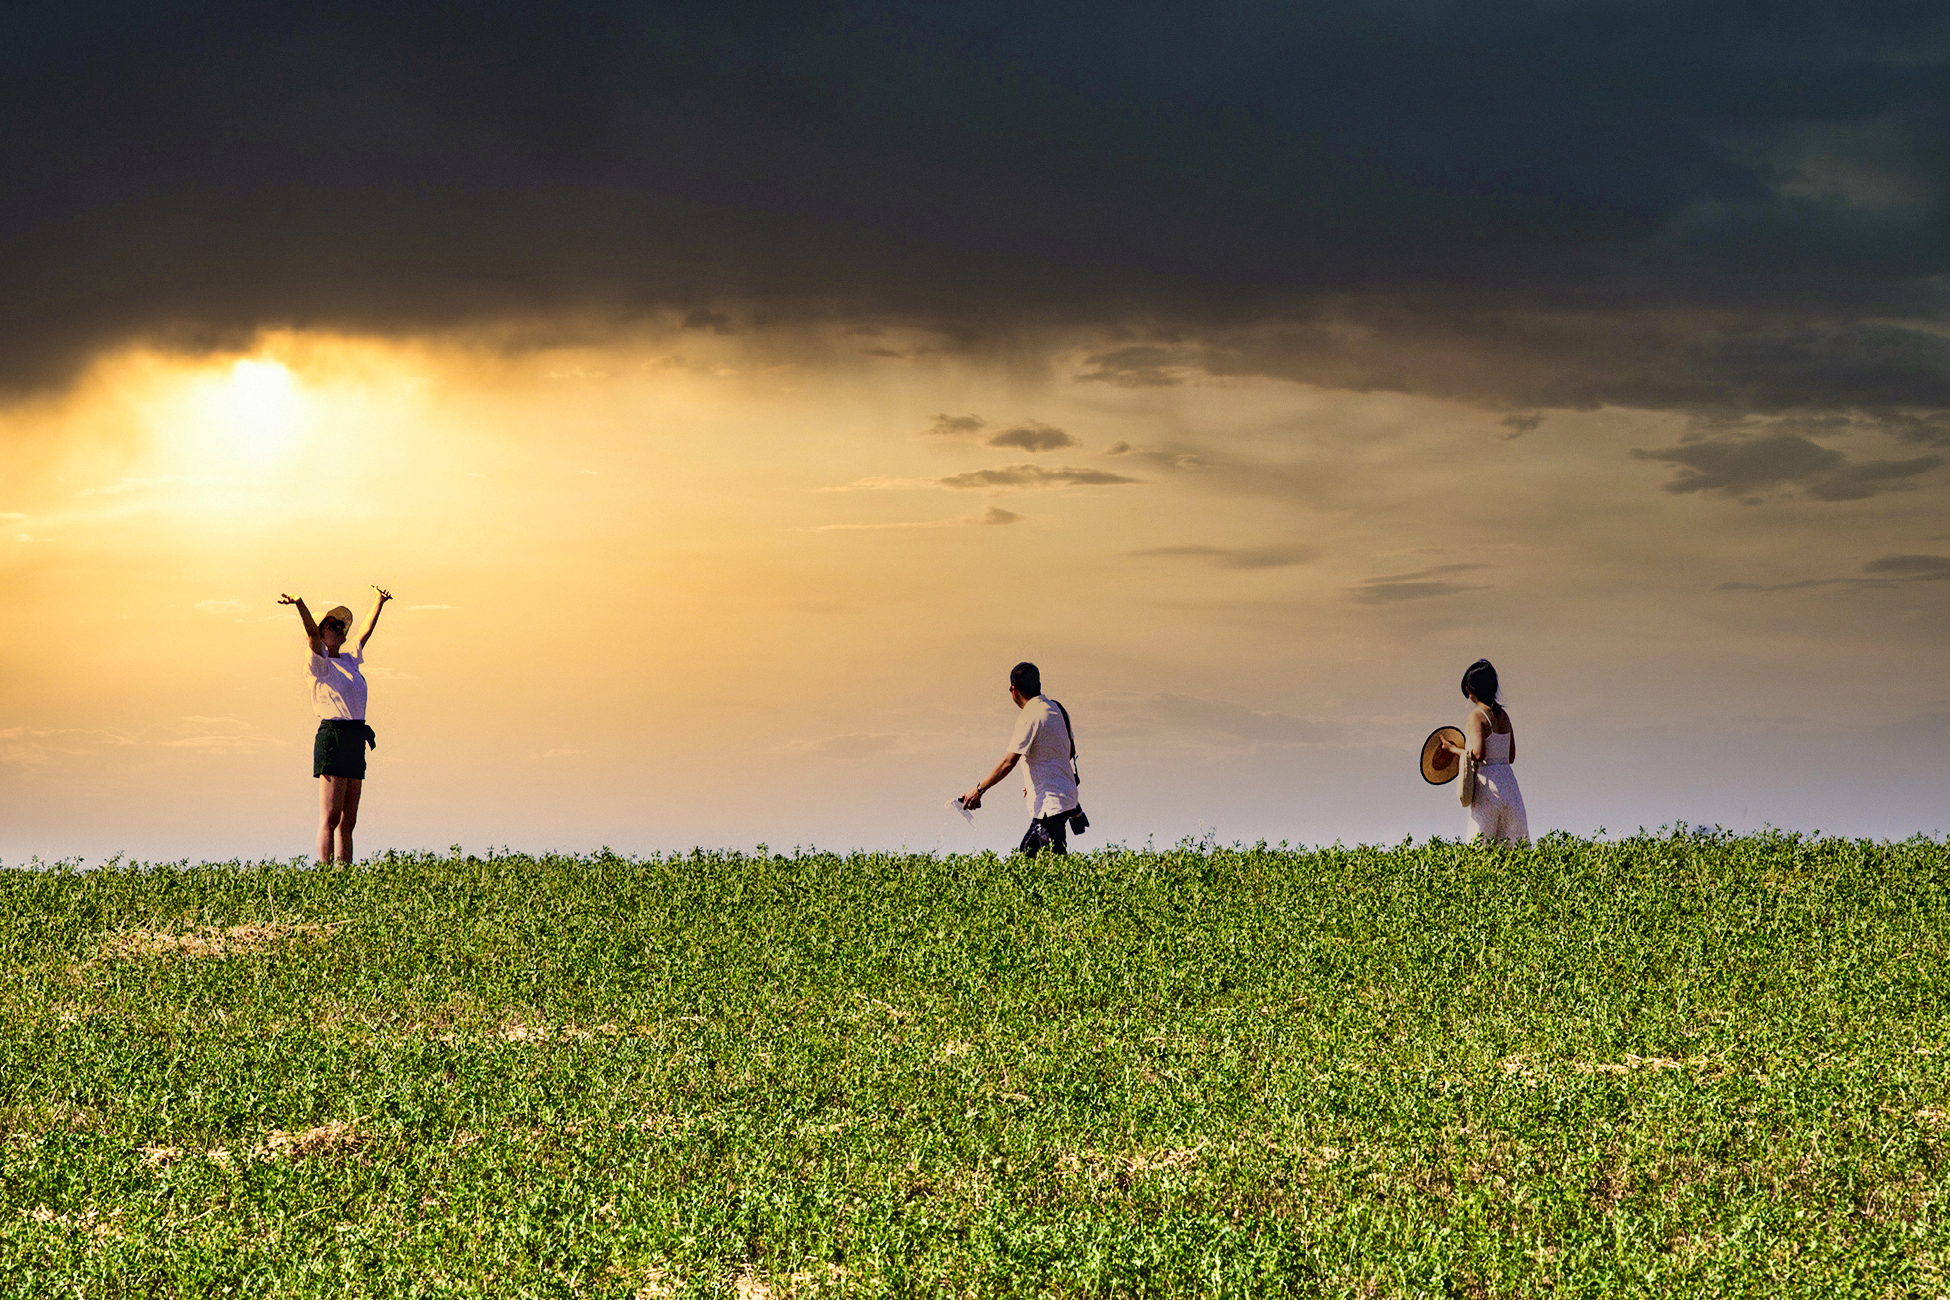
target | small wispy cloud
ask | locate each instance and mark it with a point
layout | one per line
(1007, 477)
(1912, 567)
(1747, 467)
(223, 744)
(1423, 584)
(1233, 557)
(867, 744)
(992, 517)
(562, 752)
(881, 483)
(1030, 435)
(12, 515)
(429, 606)
(995, 516)
(37, 747)
(1127, 720)
(222, 606)
(1035, 476)
(1162, 457)
(1881, 573)
(956, 426)
(221, 735)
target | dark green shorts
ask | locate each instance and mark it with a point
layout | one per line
(339, 749)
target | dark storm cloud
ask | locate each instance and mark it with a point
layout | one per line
(1740, 467)
(1511, 353)
(1524, 205)
(701, 318)
(1932, 430)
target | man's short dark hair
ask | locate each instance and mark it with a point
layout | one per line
(1025, 678)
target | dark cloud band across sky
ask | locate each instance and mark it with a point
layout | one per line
(1523, 205)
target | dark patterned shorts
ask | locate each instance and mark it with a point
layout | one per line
(339, 748)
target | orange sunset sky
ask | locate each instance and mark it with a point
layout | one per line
(683, 589)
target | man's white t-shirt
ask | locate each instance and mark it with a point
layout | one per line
(338, 688)
(1044, 743)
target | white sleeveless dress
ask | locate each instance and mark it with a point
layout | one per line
(1498, 812)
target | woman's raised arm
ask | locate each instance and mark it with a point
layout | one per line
(311, 628)
(373, 622)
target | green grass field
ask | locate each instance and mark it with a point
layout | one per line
(1696, 1065)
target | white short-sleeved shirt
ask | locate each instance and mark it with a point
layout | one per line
(338, 687)
(1044, 743)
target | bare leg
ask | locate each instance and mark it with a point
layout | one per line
(352, 787)
(338, 812)
(328, 815)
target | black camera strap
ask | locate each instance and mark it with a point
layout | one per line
(1079, 820)
(1073, 740)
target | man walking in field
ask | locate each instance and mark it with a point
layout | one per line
(1043, 737)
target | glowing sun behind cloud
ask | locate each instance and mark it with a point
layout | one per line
(260, 404)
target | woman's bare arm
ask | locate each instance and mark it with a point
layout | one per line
(373, 622)
(1476, 731)
(311, 628)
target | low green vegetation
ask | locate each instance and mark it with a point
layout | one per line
(1683, 1064)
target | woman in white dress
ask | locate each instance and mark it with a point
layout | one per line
(1491, 739)
(338, 697)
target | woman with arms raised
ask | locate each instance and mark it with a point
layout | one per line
(338, 697)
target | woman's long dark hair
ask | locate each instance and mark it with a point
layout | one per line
(1479, 679)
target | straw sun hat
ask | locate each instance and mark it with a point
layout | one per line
(1439, 765)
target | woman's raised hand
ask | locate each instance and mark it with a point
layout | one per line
(384, 595)
(287, 600)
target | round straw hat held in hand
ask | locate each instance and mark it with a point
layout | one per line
(1441, 766)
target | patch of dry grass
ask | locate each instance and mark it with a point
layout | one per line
(88, 1223)
(332, 1138)
(214, 941)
